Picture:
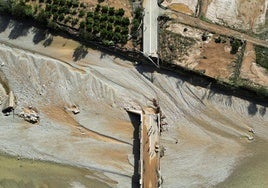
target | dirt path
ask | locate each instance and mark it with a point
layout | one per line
(195, 22)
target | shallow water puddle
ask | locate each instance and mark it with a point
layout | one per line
(24, 173)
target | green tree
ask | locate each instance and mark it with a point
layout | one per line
(117, 29)
(125, 21)
(104, 9)
(111, 11)
(42, 17)
(75, 3)
(124, 30)
(61, 17)
(235, 44)
(117, 37)
(90, 14)
(82, 25)
(97, 8)
(110, 27)
(104, 33)
(111, 19)
(74, 21)
(21, 10)
(74, 12)
(81, 13)
(104, 17)
(120, 12)
(48, 8)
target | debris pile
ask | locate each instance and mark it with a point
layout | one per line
(74, 109)
(9, 106)
(30, 114)
(163, 123)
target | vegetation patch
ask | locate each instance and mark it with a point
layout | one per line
(235, 44)
(174, 46)
(100, 23)
(262, 56)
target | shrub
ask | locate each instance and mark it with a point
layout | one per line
(235, 44)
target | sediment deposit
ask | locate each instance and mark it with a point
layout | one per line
(208, 133)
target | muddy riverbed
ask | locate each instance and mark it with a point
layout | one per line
(207, 137)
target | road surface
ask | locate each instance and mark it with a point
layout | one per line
(150, 28)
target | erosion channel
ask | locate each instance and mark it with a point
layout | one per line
(210, 138)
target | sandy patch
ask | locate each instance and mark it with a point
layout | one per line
(186, 7)
(252, 71)
(216, 60)
(181, 8)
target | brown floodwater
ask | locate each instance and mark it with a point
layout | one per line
(24, 173)
(252, 172)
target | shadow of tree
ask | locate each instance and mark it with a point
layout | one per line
(48, 41)
(4, 22)
(39, 35)
(18, 30)
(252, 109)
(79, 53)
(102, 55)
(262, 111)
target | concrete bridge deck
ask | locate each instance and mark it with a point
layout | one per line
(150, 28)
(150, 176)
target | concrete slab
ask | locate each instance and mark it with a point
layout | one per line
(150, 28)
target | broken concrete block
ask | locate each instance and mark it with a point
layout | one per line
(10, 104)
(30, 114)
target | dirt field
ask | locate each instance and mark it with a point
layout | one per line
(250, 70)
(181, 8)
(216, 60)
(211, 58)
